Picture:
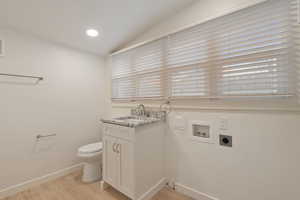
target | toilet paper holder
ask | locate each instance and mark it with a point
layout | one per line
(44, 136)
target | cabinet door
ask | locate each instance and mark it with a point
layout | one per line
(125, 160)
(110, 161)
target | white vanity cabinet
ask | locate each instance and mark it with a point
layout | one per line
(118, 163)
(133, 159)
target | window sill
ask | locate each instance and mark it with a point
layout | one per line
(233, 108)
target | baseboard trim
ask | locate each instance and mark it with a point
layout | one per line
(154, 190)
(193, 193)
(11, 190)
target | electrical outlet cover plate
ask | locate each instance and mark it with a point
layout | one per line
(223, 124)
(225, 140)
(202, 131)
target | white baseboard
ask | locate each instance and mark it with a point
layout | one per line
(193, 193)
(154, 190)
(37, 181)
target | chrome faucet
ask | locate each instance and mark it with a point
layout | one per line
(141, 109)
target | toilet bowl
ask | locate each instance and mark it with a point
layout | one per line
(92, 156)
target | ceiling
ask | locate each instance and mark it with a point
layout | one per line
(65, 21)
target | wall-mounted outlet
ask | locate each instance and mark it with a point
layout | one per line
(225, 140)
(223, 124)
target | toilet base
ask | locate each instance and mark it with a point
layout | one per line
(92, 172)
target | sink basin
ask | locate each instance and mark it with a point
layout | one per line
(135, 120)
(132, 121)
(129, 118)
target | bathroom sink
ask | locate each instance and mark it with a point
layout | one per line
(132, 120)
(135, 119)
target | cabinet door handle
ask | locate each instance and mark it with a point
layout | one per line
(118, 148)
(114, 147)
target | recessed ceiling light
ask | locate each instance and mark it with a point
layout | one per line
(92, 33)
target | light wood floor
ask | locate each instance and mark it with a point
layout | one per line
(70, 188)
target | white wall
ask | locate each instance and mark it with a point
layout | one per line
(264, 161)
(200, 11)
(69, 103)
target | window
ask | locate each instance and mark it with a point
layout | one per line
(137, 73)
(253, 56)
(187, 64)
(250, 52)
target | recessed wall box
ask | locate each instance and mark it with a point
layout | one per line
(201, 131)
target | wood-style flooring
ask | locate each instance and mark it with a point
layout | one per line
(71, 188)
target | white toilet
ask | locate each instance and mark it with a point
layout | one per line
(92, 156)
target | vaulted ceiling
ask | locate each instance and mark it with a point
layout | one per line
(65, 21)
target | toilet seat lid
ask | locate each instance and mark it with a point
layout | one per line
(91, 148)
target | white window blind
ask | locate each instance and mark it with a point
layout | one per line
(254, 50)
(251, 52)
(187, 63)
(137, 73)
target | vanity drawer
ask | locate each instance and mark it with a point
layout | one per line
(119, 131)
